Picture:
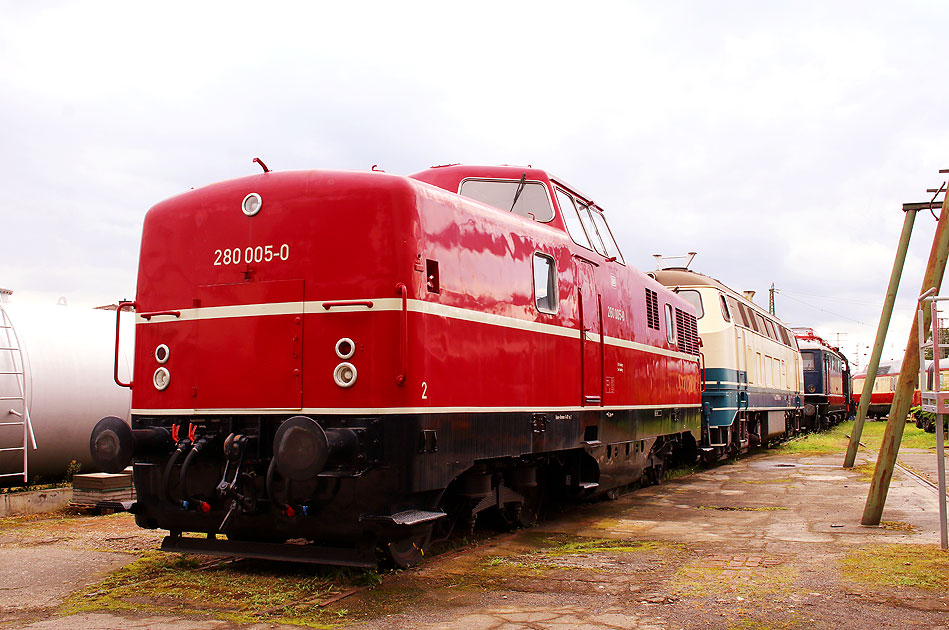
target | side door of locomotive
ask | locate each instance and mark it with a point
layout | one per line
(591, 338)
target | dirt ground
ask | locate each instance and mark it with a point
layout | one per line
(770, 541)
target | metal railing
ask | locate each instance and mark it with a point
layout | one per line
(11, 345)
(934, 398)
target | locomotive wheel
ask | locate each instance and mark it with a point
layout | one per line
(530, 510)
(409, 551)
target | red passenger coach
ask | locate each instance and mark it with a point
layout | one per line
(360, 359)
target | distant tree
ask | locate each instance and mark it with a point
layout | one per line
(943, 340)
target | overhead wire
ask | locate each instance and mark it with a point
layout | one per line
(822, 297)
(827, 311)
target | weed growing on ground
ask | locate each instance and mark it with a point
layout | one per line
(547, 552)
(865, 471)
(826, 442)
(598, 545)
(898, 526)
(767, 481)
(837, 439)
(698, 579)
(729, 508)
(43, 520)
(682, 471)
(886, 566)
(243, 592)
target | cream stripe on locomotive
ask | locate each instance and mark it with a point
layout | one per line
(395, 304)
(400, 410)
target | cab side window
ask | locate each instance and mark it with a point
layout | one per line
(572, 220)
(545, 283)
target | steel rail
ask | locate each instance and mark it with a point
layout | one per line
(923, 479)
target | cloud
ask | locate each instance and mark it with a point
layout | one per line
(778, 141)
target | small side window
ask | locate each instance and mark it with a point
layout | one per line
(735, 309)
(725, 312)
(545, 283)
(670, 325)
(760, 327)
(785, 337)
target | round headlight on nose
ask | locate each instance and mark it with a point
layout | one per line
(161, 353)
(251, 204)
(161, 378)
(345, 348)
(345, 374)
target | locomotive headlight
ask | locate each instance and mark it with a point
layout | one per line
(251, 204)
(161, 378)
(161, 353)
(811, 389)
(345, 374)
(345, 348)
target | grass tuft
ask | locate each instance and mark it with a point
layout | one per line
(886, 566)
(729, 508)
(836, 439)
(244, 592)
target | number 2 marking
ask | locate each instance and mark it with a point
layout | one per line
(424, 390)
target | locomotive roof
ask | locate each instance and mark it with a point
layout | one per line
(807, 343)
(885, 368)
(680, 276)
(447, 176)
(807, 339)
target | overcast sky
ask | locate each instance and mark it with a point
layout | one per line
(776, 139)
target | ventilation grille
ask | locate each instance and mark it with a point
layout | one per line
(688, 333)
(652, 309)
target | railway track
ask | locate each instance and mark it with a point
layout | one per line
(922, 479)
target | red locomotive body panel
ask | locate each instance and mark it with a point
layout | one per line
(259, 336)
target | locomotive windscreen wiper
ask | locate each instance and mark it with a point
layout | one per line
(520, 189)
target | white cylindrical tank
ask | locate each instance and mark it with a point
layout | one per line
(67, 365)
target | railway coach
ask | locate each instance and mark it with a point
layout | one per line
(360, 361)
(751, 366)
(884, 388)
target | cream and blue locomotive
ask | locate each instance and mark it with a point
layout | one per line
(752, 368)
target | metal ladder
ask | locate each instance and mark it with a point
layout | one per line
(11, 344)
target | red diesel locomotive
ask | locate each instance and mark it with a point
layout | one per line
(358, 359)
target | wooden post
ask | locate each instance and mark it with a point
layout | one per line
(906, 384)
(882, 328)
